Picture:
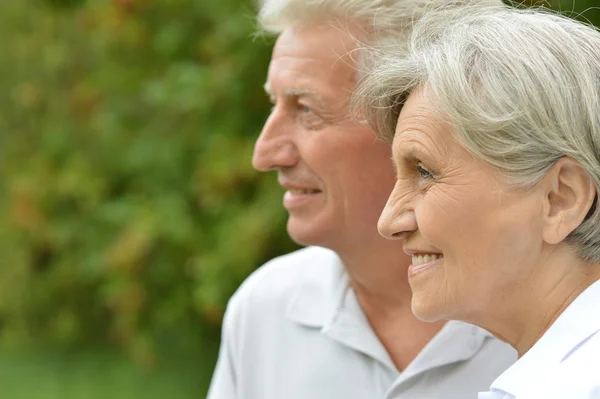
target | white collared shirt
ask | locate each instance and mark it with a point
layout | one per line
(295, 330)
(564, 363)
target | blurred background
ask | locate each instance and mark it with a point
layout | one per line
(130, 210)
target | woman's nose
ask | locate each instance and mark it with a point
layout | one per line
(397, 220)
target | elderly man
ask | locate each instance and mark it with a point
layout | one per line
(334, 320)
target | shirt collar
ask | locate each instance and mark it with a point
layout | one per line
(349, 325)
(455, 342)
(325, 300)
(577, 323)
(315, 302)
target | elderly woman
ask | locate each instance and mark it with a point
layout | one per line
(494, 120)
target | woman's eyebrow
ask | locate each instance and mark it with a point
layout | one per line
(403, 156)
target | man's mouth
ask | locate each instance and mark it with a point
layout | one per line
(298, 198)
(303, 191)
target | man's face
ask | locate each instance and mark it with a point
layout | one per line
(336, 173)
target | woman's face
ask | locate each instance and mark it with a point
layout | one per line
(474, 240)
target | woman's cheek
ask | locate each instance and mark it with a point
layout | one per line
(437, 214)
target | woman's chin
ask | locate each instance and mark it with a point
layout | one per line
(426, 310)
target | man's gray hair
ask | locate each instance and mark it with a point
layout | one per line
(374, 16)
(520, 87)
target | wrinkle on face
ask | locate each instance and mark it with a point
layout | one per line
(486, 230)
(303, 62)
(310, 85)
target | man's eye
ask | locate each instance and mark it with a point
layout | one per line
(309, 118)
(423, 172)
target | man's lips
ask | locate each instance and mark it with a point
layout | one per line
(298, 185)
(298, 196)
(303, 191)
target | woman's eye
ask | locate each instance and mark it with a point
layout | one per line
(305, 109)
(423, 172)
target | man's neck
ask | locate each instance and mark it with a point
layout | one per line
(378, 275)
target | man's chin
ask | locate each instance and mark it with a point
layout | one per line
(307, 232)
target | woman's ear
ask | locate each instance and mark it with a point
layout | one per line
(569, 194)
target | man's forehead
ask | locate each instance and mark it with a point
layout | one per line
(312, 63)
(316, 49)
(312, 39)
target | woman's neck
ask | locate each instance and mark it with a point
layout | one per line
(538, 303)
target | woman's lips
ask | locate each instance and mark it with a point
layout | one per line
(423, 262)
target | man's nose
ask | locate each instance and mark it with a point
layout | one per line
(397, 221)
(275, 147)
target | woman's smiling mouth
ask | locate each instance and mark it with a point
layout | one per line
(423, 262)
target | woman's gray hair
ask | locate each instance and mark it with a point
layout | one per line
(520, 87)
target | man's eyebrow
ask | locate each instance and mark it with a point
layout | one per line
(300, 92)
(295, 92)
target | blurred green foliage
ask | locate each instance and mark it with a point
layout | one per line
(584, 10)
(130, 209)
(102, 374)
